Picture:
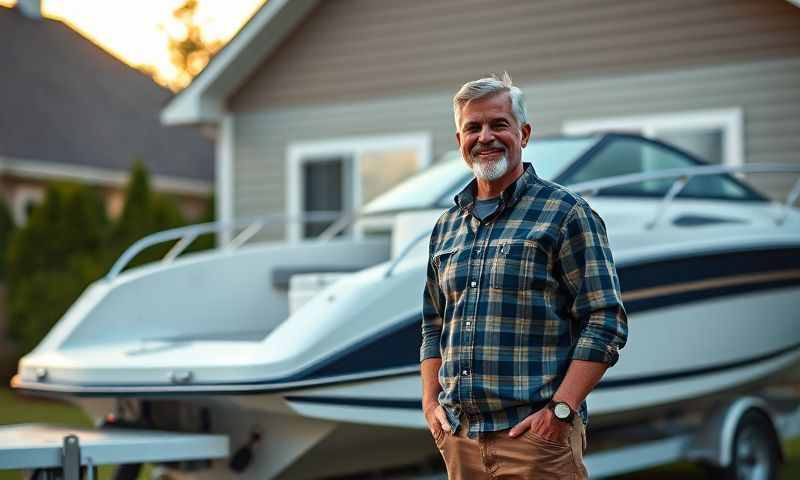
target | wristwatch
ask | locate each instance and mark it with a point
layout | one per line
(562, 411)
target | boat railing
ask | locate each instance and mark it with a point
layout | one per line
(249, 226)
(252, 225)
(682, 177)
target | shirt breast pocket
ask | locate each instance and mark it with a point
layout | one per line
(452, 272)
(518, 265)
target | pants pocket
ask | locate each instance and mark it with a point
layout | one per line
(578, 447)
(538, 439)
(535, 457)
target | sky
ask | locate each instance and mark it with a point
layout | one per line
(136, 31)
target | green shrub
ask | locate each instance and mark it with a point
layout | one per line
(69, 242)
(53, 258)
(207, 241)
(6, 229)
(145, 212)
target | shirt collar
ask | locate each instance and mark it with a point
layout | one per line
(465, 199)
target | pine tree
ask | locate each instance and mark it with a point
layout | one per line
(6, 229)
(53, 258)
(69, 242)
(209, 240)
(145, 212)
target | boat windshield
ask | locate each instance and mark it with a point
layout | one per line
(625, 155)
(436, 185)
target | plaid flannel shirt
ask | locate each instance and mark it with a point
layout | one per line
(509, 301)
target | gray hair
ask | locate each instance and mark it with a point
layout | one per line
(489, 86)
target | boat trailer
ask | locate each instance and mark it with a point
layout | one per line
(53, 452)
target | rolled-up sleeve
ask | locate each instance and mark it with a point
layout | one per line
(432, 307)
(588, 273)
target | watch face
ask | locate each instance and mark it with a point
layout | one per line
(561, 410)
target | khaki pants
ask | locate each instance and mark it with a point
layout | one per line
(495, 455)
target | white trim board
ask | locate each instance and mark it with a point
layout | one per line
(40, 170)
(729, 120)
(299, 152)
(223, 177)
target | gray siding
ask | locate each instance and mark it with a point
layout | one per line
(353, 50)
(767, 91)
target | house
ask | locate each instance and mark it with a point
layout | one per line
(71, 111)
(326, 103)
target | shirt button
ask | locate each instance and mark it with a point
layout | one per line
(473, 284)
(465, 373)
(469, 323)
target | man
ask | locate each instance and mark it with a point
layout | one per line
(522, 312)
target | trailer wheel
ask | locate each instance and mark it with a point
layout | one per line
(754, 452)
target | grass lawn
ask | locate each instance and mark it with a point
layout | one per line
(16, 409)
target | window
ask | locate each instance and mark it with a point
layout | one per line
(326, 188)
(24, 201)
(715, 136)
(342, 175)
(425, 188)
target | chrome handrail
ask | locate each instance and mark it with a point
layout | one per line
(339, 225)
(683, 176)
(185, 235)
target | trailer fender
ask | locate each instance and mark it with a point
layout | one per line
(713, 444)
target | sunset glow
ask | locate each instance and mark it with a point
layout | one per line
(137, 31)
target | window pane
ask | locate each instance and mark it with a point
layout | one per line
(322, 191)
(382, 170)
(424, 188)
(705, 144)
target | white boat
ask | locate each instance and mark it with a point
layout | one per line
(326, 372)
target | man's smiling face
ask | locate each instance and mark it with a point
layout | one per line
(490, 138)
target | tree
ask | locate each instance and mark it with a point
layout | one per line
(69, 242)
(6, 229)
(189, 50)
(145, 212)
(209, 240)
(53, 258)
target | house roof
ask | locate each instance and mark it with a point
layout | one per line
(66, 101)
(203, 100)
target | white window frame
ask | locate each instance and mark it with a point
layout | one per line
(729, 120)
(354, 147)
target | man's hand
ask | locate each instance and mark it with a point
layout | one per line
(437, 419)
(543, 423)
(434, 413)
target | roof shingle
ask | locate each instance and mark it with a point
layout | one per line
(65, 100)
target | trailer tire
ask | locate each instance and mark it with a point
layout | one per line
(754, 451)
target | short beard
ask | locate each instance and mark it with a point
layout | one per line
(491, 170)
